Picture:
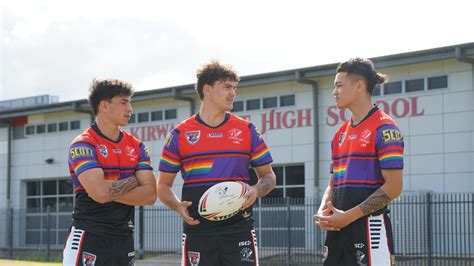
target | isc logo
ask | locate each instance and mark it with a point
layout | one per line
(244, 243)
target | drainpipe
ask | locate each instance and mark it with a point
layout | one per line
(77, 108)
(301, 79)
(9, 164)
(179, 97)
(461, 57)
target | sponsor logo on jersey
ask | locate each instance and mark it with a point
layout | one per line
(325, 252)
(216, 135)
(244, 243)
(103, 150)
(342, 136)
(353, 136)
(194, 258)
(246, 254)
(391, 135)
(117, 151)
(168, 139)
(259, 134)
(88, 259)
(192, 136)
(364, 137)
(80, 152)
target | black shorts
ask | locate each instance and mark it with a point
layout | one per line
(88, 249)
(230, 249)
(367, 241)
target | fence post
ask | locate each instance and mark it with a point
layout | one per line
(288, 208)
(141, 233)
(10, 233)
(48, 232)
(429, 228)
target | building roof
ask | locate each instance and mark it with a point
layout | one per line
(463, 52)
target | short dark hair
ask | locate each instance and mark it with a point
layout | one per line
(363, 68)
(212, 72)
(106, 89)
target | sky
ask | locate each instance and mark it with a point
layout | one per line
(58, 47)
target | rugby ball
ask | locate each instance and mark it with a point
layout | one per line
(222, 201)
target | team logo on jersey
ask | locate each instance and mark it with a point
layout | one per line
(88, 259)
(193, 136)
(246, 255)
(342, 136)
(194, 258)
(103, 150)
(235, 134)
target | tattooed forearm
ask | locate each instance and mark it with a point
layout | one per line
(265, 184)
(374, 202)
(122, 186)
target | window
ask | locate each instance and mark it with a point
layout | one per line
(287, 100)
(55, 196)
(393, 87)
(18, 132)
(437, 82)
(143, 117)
(290, 181)
(270, 102)
(253, 104)
(238, 106)
(63, 126)
(75, 125)
(414, 85)
(171, 114)
(30, 130)
(156, 115)
(377, 90)
(40, 129)
(52, 127)
(132, 119)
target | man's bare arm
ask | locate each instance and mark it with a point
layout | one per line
(102, 190)
(266, 179)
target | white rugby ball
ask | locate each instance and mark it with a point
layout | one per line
(222, 201)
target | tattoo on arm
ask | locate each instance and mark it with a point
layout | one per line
(265, 185)
(374, 202)
(123, 186)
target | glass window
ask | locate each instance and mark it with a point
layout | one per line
(393, 87)
(19, 132)
(287, 100)
(437, 82)
(414, 85)
(49, 187)
(58, 197)
(75, 125)
(279, 175)
(156, 115)
(253, 104)
(30, 130)
(270, 102)
(63, 126)
(132, 119)
(40, 129)
(143, 117)
(171, 114)
(294, 175)
(238, 106)
(377, 90)
(52, 127)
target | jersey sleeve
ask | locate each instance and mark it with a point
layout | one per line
(144, 160)
(82, 157)
(389, 147)
(331, 166)
(259, 152)
(170, 159)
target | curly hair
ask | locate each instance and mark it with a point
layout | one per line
(106, 89)
(212, 72)
(363, 68)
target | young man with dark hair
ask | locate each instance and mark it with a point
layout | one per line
(111, 173)
(366, 173)
(210, 147)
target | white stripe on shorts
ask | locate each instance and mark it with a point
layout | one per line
(72, 250)
(379, 253)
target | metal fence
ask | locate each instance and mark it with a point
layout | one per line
(429, 229)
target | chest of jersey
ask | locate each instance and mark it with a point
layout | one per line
(118, 160)
(357, 140)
